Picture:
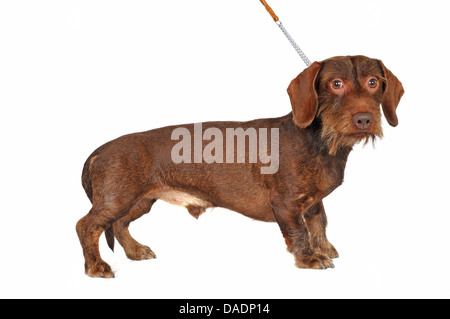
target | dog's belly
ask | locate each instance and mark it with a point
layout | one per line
(182, 199)
(197, 206)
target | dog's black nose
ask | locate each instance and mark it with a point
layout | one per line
(363, 120)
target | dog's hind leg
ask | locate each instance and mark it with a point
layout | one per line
(133, 249)
(89, 228)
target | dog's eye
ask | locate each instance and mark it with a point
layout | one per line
(336, 84)
(373, 83)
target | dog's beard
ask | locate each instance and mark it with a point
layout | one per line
(338, 137)
(337, 141)
(338, 131)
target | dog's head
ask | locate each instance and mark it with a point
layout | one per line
(344, 94)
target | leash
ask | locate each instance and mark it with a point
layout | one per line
(288, 36)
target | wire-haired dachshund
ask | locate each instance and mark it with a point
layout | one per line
(335, 104)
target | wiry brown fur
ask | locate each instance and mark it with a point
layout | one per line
(124, 177)
(335, 119)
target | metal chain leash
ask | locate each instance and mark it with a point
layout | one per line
(296, 47)
(287, 35)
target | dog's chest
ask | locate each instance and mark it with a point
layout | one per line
(331, 174)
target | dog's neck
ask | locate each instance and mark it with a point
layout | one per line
(312, 137)
(310, 140)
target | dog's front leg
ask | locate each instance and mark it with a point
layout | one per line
(316, 221)
(298, 239)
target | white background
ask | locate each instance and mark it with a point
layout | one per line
(76, 74)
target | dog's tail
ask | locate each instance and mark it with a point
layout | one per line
(109, 234)
(85, 176)
(87, 185)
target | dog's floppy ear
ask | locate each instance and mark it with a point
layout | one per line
(303, 95)
(393, 91)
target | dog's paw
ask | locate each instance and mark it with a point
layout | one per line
(324, 247)
(140, 252)
(329, 251)
(99, 270)
(315, 261)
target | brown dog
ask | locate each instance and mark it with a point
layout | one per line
(335, 104)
